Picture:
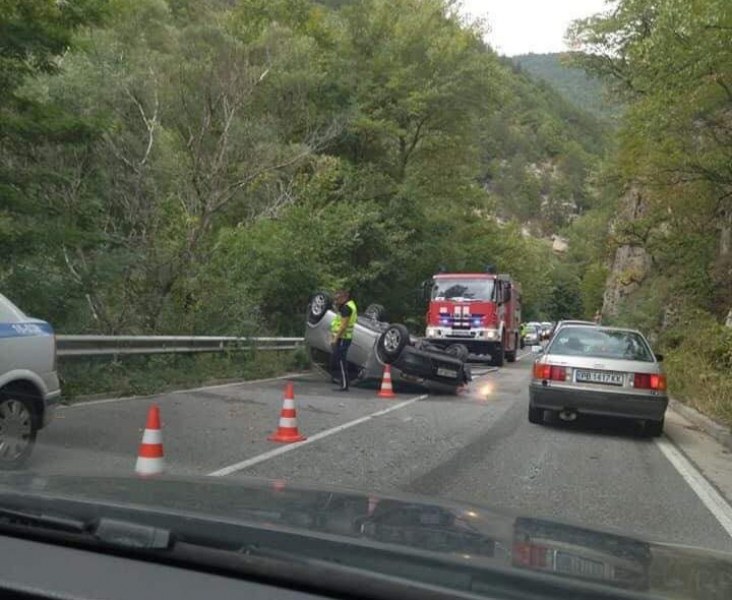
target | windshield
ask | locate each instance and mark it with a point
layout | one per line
(471, 254)
(463, 289)
(599, 343)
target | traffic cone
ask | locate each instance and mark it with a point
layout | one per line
(150, 459)
(287, 430)
(386, 391)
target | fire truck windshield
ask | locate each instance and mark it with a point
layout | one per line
(462, 289)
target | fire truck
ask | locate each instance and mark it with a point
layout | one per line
(479, 310)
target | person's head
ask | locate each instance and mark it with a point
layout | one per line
(341, 296)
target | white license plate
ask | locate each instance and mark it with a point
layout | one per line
(603, 377)
(575, 565)
(446, 373)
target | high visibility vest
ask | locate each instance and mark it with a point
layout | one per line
(348, 334)
(335, 324)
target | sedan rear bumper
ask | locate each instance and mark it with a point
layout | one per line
(598, 402)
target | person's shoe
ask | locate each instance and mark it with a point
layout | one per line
(340, 389)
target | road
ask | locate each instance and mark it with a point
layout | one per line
(476, 447)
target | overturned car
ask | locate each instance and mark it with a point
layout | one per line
(377, 343)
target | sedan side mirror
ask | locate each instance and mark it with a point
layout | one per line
(537, 349)
(659, 357)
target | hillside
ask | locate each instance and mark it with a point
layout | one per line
(539, 151)
(574, 84)
(189, 170)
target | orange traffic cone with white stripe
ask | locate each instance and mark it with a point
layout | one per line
(287, 430)
(150, 459)
(386, 391)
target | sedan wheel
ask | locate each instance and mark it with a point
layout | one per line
(17, 433)
(392, 342)
(319, 304)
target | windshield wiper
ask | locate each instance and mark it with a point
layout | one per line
(42, 519)
(111, 532)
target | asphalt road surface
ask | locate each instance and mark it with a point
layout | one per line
(477, 447)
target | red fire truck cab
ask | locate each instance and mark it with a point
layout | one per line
(480, 310)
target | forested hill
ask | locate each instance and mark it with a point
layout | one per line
(541, 149)
(574, 84)
(190, 166)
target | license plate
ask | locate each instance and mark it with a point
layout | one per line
(574, 565)
(603, 377)
(446, 372)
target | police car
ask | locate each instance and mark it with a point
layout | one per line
(29, 385)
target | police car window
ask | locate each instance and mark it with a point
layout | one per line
(9, 312)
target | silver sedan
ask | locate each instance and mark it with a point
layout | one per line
(604, 371)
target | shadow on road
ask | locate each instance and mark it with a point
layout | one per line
(607, 426)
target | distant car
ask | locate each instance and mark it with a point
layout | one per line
(546, 329)
(604, 371)
(377, 343)
(29, 386)
(532, 334)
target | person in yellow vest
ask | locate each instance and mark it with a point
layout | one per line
(341, 330)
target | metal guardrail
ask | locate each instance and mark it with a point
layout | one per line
(112, 345)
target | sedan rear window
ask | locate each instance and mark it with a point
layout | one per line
(601, 343)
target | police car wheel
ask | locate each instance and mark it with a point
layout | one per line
(18, 428)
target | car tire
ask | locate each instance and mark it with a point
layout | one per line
(375, 312)
(653, 428)
(319, 304)
(18, 429)
(391, 343)
(498, 355)
(459, 351)
(536, 415)
(511, 354)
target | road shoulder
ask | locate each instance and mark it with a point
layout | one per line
(710, 456)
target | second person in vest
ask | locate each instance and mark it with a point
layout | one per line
(342, 330)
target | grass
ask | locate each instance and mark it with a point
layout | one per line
(698, 363)
(143, 375)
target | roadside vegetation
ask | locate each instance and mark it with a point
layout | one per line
(669, 243)
(201, 167)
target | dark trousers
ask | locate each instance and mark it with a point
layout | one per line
(338, 364)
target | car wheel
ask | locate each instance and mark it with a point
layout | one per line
(375, 312)
(653, 428)
(18, 428)
(459, 351)
(511, 354)
(536, 415)
(392, 342)
(497, 355)
(318, 306)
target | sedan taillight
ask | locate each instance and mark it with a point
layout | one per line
(649, 381)
(551, 372)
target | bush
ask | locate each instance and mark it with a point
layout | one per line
(698, 363)
(142, 375)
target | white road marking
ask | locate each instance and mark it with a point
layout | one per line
(711, 498)
(82, 403)
(314, 438)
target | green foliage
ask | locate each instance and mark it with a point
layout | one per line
(197, 167)
(671, 63)
(142, 375)
(539, 151)
(574, 84)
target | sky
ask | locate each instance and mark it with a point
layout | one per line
(523, 26)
